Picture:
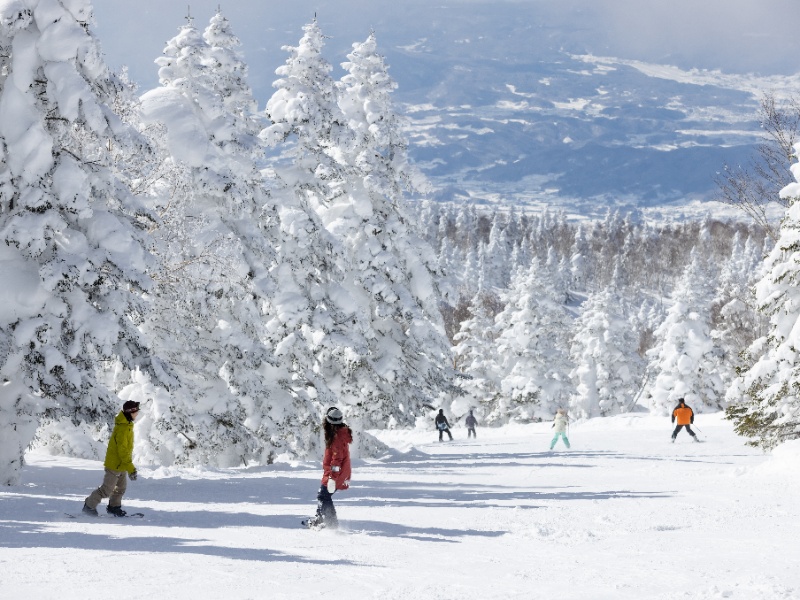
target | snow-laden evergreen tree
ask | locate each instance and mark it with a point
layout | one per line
(234, 401)
(304, 109)
(579, 261)
(230, 79)
(474, 357)
(737, 320)
(428, 219)
(498, 250)
(325, 317)
(684, 357)
(71, 229)
(466, 225)
(608, 369)
(393, 265)
(379, 148)
(765, 400)
(532, 334)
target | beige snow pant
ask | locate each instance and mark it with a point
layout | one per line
(113, 487)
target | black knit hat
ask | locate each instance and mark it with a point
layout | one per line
(130, 406)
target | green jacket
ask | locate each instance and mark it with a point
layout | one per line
(119, 456)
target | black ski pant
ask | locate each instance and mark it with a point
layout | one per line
(471, 432)
(442, 431)
(678, 428)
(325, 508)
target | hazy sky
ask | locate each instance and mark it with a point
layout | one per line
(732, 35)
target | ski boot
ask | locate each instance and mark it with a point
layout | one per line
(116, 511)
(315, 522)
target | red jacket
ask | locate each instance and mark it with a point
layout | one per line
(336, 461)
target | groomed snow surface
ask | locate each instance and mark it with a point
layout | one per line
(623, 514)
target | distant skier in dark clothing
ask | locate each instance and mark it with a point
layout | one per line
(685, 416)
(471, 422)
(442, 425)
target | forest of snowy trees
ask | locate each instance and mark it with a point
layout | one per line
(239, 269)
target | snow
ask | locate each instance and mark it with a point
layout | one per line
(623, 514)
(186, 137)
(21, 294)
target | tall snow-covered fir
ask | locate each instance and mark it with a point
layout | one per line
(220, 237)
(607, 371)
(391, 263)
(71, 228)
(684, 350)
(770, 413)
(383, 350)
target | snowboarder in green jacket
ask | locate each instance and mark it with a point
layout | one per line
(118, 464)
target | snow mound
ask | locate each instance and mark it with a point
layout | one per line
(785, 460)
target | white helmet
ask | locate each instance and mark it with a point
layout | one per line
(334, 416)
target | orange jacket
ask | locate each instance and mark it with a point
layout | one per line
(684, 414)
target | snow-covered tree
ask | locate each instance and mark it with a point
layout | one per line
(579, 261)
(474, 357)
(321, 309)
(391, 263)
(234, 401)
(532, 349)
(765, 401)
(497, 253)
(379, 149)
(685, 357)
(230, 79)
(737, 320)
(304, 110)
(70, 226)
(607, 369)
(351, 169)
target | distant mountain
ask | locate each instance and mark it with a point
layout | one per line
(523, 101)
(559, 130)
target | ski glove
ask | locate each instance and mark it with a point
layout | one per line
(133, 476)
(331, 485)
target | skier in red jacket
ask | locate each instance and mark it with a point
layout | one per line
(335, 469)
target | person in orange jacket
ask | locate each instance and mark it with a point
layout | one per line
(685, 416)
(335, 469)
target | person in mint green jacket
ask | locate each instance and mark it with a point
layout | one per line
(118, 464)
(560, 427)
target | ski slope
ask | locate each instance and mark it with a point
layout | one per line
(623, 514)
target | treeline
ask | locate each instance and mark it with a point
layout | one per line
(546, 312)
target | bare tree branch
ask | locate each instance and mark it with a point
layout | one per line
(755, 188)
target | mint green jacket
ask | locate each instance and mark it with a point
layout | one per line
(119, 456)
